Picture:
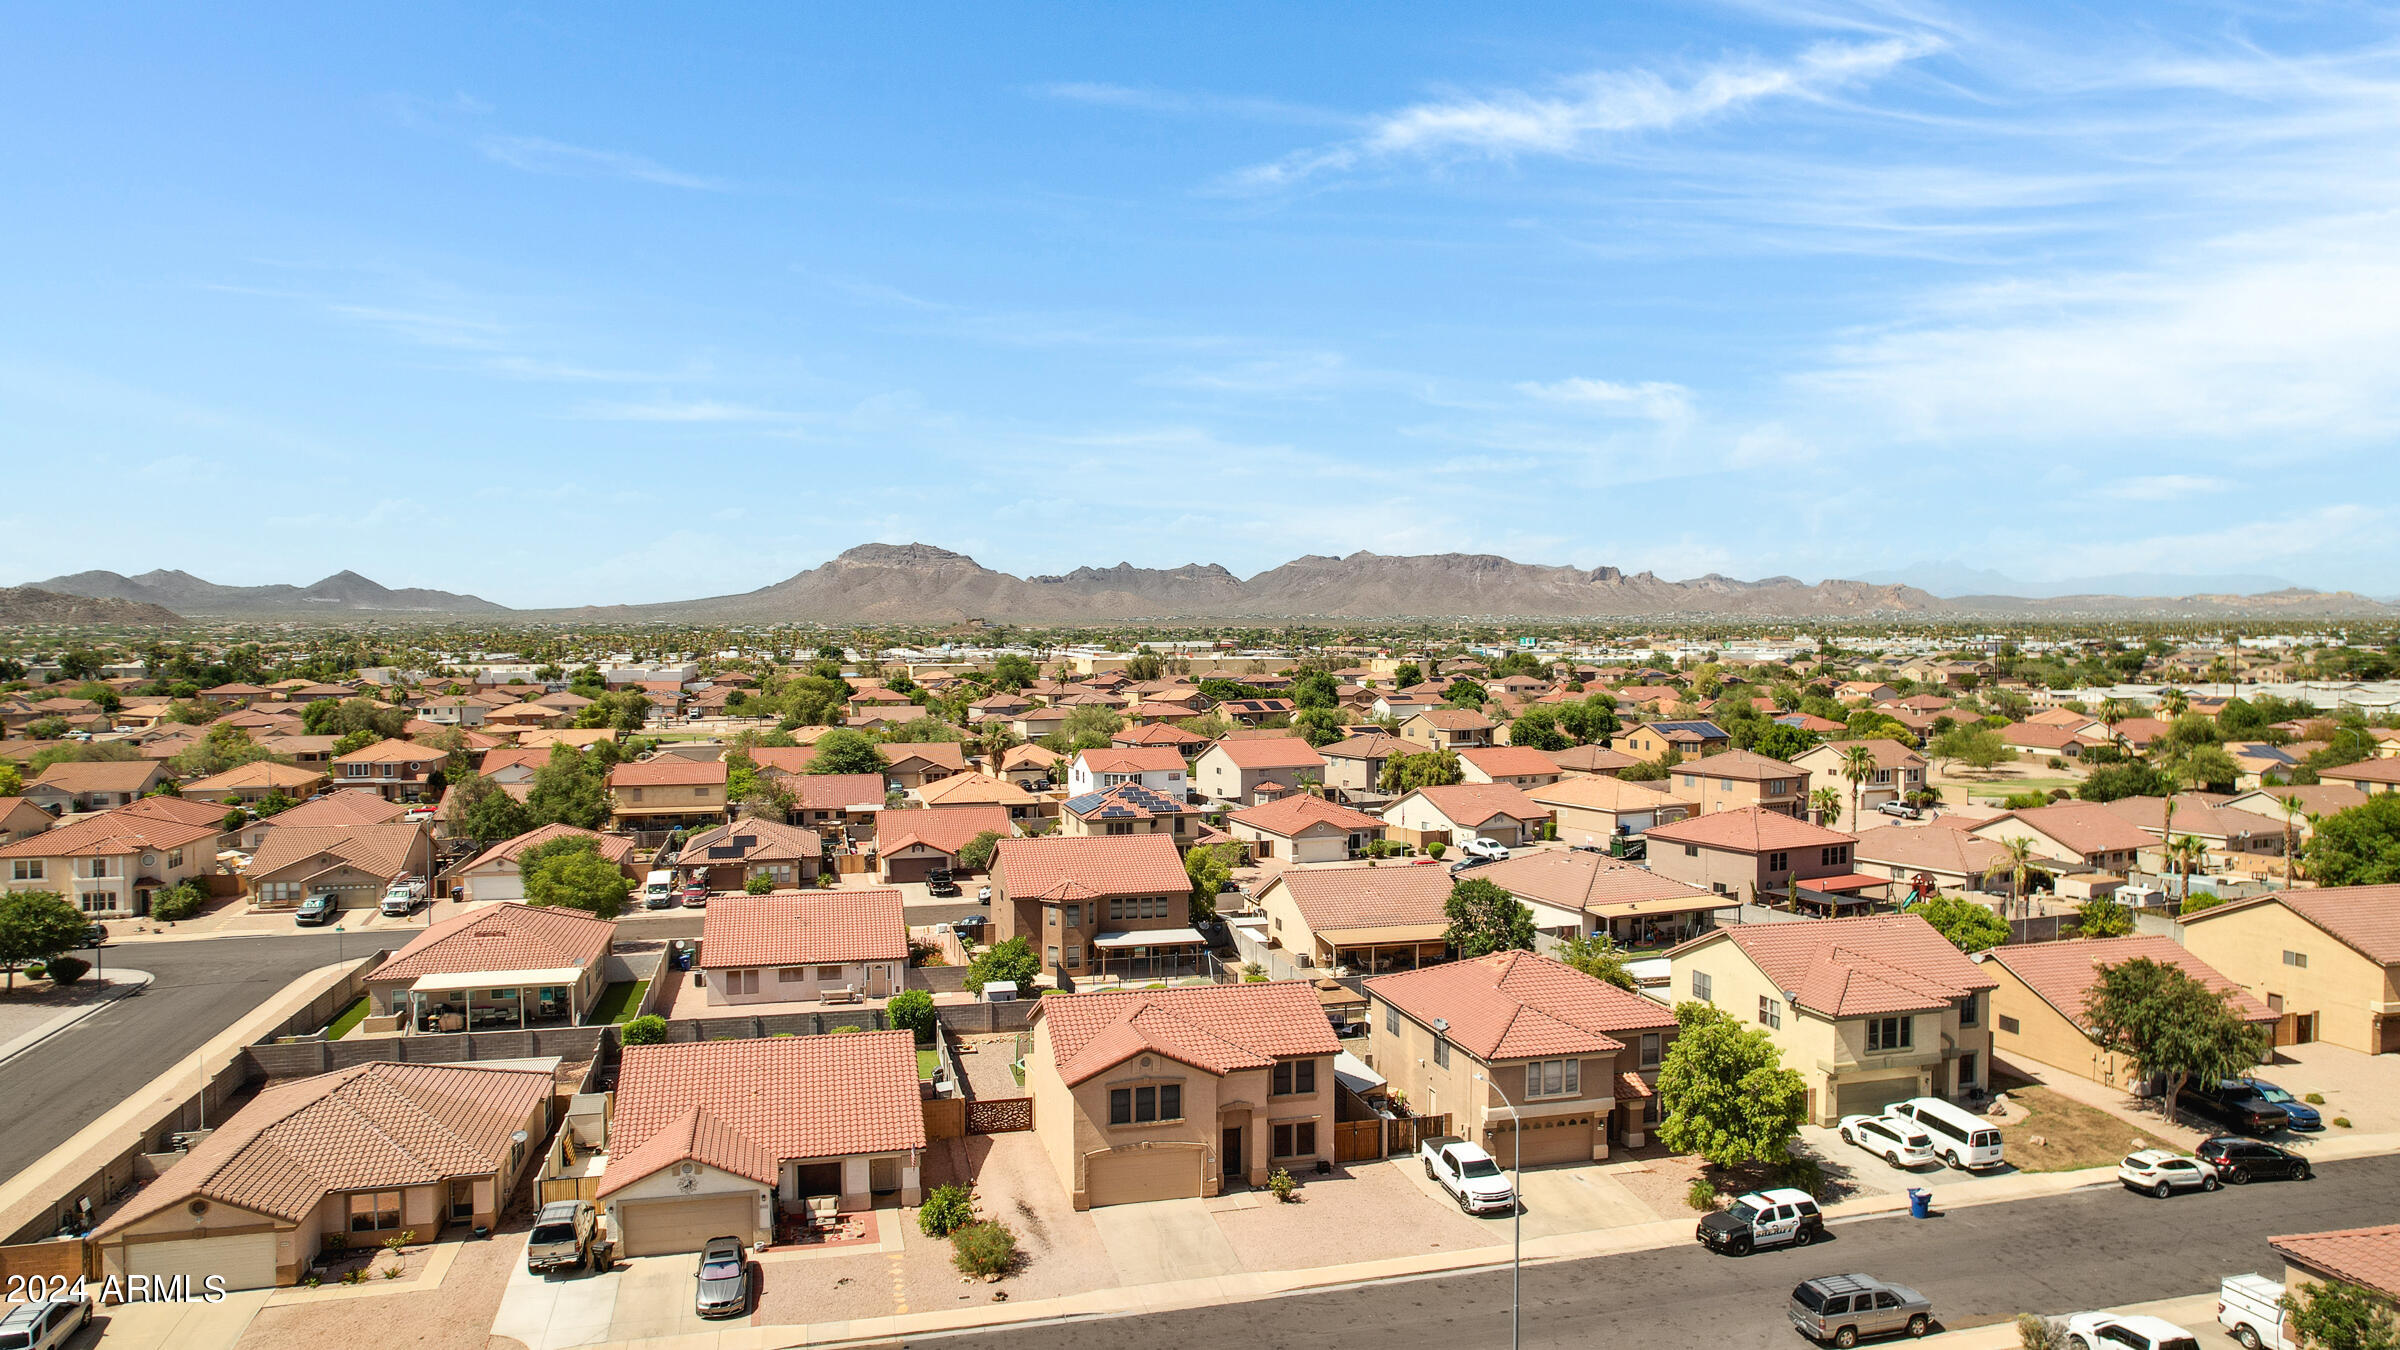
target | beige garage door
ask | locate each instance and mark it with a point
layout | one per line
(657, 1227)
(1562, 1140)
(1132, 1175)
(244, 1261)
(1869, 1099)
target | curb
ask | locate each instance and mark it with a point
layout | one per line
(121, 984)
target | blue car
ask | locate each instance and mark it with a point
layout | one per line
(2298, 1115)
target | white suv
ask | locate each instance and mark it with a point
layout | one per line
(1902, 1143)
(1491, 850)
(2162, 1173)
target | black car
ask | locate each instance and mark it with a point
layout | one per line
(2236, 1105)
(95, 934)
(2238, 1160)
(940, 883)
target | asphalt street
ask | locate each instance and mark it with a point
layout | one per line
(202, 987)
(2093, 1248)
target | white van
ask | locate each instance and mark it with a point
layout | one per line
(1960, 1138)
(658, 891)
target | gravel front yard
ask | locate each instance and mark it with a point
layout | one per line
(455, 1316)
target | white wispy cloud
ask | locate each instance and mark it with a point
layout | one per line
(681, 410)
(2166, 487)
(1581, 116)
(537, 154)
(1181, 103)
(1658, 400)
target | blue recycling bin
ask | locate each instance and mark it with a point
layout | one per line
(1920, 1203)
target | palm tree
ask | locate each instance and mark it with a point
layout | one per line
(1827, 803)
(2113, 711)
(2174, 701)
(2292, 808)
(2186, 853)
(2018, 860)
(2166, 830)
(1858, 765)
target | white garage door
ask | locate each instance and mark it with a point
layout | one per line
(1869, 1099)
(243, 1261)
(656, 1227)
(1129, 1176)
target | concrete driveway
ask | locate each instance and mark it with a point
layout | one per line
(573, 1307)
(2364, 1089)
(654, 1299)
(175, 1326)
(1164, 1240)
(1854, 1169)
(1577, 1199)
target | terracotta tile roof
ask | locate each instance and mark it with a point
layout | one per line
(1030, 756)
(392, 752)
(1218, 1028)
(505, 936)
(1129, 801)
(377, 850)
(1888, 753)
(1931, 848)
(2041, 737)
(1630, 1087)
(2063, 973)
(1454, 719)
(1471, 804)
(1358, 896)
(1293, 814)
(112, 833)
(263, 773)
(1157, 733)
(1269, 752)
(1741, 766)
(796, 928)
(949, 755)
(1608, 794)
(1878, 963)
(1752, 829)
(833, 791)
(750, 841)
(669, 771)
(1574, 879)
(1594, 759)
(1368, 745)
(1518, 1005)
(377, 1125)
(1070, 867)
(2080, 827)
(348, 807)
(2369, 1257)
(2196, 813)
(2365, 771)
(98, 775)
(2363, 918)
(947, 828)
(1509, 761)
(1162, 759)
(973, 790)
(513, 756)
(614, 847)
(746, 1106)
(181, 810)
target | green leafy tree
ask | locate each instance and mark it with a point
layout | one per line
(1777, 741)
(1591, 721)
(483, 811)
(570, 873)
(1425, 768)
(1408, 673)
(1724, 1092)
(179, 902)
(1976, 747)
(2171, 1026)
(1466, 694)
(218, 749)
(976, 854)
(1315, 689)
(351, 742)
(2112, 782)
(569, 789)
(35, 926)
(912, 1011)
(846, 751)
(1013, 961)
(1485, 919)
(1969, 925)
(275, 803)
(2103, 917)
(12, 780)
(1598, 956)
(2335, 1315)
(2359, 846)
(1209, 866)
(1013, 672)
(1537, 728)
(758, 885)
(1320, 726)
(648, 1029)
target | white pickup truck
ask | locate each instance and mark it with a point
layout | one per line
(2250, 1308)
(1471, 1176)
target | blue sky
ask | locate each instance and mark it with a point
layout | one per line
(572, 304)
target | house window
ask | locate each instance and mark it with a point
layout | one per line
(1391, 1019)
(2298, 960)
(1966, 1070)
(1296, 1140)
(1891, 1033)
(1116, 909)
(633, 794)
(374, 1211)
(1703, 987)
(1053, 917)
(1441, 1052)
(1967, 1011)
(829, 972)
(790, 975)
(1779, 862)
(1835, 856)
(697, 792)
(175, 859)
(1691, 850)
(1770, 1012)
(1120, 1106)
(1170, 1101)
(1554, 1078)
(26, 869)
(1053, 955)
(1294, 1076)
(2008, 1024)
(1650, 1049)
(1074, 958)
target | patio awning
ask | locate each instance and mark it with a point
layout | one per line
(1843, 885)
(1643, 909)
(1354, 1073)
(1387, 935)
(461, 981)
(1151, 937)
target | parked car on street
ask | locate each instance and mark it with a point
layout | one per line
(95, 934)
(2298, 1115)
(562, 1236)
(1471, 1176)
(1902, 1143)
(1845, 1309)
(1776, 1218)
(317, 909)
(2250, 1308)
(2239, 1160)
(2236, 1105)
(2127, 1331)
(724, 1279)
(2162, 1173)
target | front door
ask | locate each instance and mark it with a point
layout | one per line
(1235, 1172)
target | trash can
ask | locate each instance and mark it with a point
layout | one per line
(1920, 1203)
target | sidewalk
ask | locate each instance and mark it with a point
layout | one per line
(118, 984)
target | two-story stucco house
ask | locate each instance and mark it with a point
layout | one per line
(799, 946)
(1233, 770)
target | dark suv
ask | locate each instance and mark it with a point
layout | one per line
(940, 883)
(2239, 1160)
(2236, 1105)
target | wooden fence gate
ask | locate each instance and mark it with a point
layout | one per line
(1404, 1135)
(1357, 1140)
(999, 1115)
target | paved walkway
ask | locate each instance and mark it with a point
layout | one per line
(29, 1024)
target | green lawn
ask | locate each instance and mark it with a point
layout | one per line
(351, 1017)
(929, 1063)
(617, 1003)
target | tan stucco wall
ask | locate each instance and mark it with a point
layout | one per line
(2343, 988)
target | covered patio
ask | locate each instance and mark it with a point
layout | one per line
(1383, 949)
(1645, 924)
(1153, 954)
(485, 1000)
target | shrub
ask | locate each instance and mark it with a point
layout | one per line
(1253, 973)
(826, 881)
(912, 1011)
(2342, 1121)
(985, 1248)
(68, 969)
(1436, 849)
(947, 1209)
(2314, 1099)
(337, 1243)
(1804, 1174)
(2035, 1332)
(2025, 801)
(837, 1031)
(2055, 762)
(399, 1241)
(759, 885)
(177, 903)
(1280, 1185)
(648, 1029)
(391, 1272)
(1701, 1194)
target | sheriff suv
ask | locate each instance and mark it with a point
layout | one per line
(1762, 1219)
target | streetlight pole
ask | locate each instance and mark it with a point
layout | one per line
(1516, 1215)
